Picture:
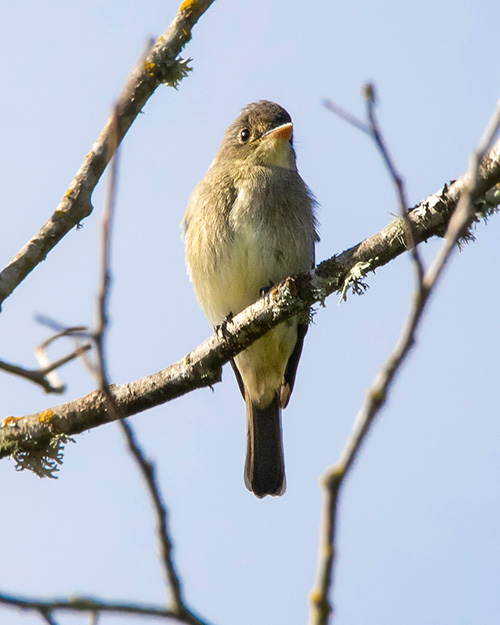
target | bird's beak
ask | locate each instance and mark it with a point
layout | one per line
(283, 132)
(276, 147)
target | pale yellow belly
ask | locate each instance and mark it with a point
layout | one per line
(262, 365)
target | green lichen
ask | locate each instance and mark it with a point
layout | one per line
(43, 462)
(484, 207)
(488, 204)
(354, 279)
(172, 74)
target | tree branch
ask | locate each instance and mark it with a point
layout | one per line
(86, 604)
(45, 376)
(377, 394)
(47, 617)
(161, 65)
(147, 470)
(202, 366)
(101, 326)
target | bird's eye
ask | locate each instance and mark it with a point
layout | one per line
(245, 135)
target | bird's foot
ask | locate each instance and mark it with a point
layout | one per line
(221, 329)
(265, 289)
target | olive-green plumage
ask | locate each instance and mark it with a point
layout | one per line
(250, 224)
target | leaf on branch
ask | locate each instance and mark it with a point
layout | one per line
(43, 462)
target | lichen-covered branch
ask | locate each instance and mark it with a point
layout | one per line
(202, 366)
(162, 65)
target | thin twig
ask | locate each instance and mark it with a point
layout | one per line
(99, 333)
(372, 129)
(94, 618)
(146, 467)
(48, 367)
(45, 376)
(147, 470)
(85, 604)
(47, 617)
(346, 116)
(32, 375)
(377, 394)
(78, 333)
(376, 133)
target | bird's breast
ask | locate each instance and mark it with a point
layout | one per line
(265, 243)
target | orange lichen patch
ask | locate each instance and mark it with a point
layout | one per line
(46, 416)
(316, 597)
(188, 5)
(10, 421)
(150, 69)
(74, 185)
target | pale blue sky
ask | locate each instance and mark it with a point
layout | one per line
(418, 532)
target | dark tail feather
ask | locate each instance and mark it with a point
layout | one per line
(264, 466)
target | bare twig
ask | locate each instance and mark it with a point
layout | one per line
(80, 332)
(346, 116)
(94, 618)
(372, 129)
(45, 376)
(105, 271)
(376, 133)
(161, 66)
(377, 394)
(50, 367)
(147, 470)
(90, 605)
(47, 617)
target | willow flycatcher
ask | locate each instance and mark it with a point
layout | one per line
(250, 224)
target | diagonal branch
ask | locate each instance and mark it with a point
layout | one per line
(202, 366)
(161, 65)
(377, 394)
(147, 470)
(47, 617)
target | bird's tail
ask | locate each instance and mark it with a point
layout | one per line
(265, 465)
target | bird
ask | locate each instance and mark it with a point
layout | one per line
(250, 223)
